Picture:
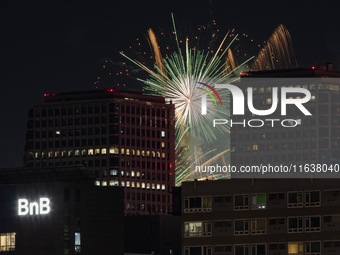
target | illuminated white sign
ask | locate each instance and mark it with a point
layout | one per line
(24, 207)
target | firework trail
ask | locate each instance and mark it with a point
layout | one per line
(277, 53)
(181, 77)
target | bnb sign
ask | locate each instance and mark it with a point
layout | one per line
(43, 207)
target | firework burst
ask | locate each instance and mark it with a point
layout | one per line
(181, 77)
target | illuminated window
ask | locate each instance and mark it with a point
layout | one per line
(77, 242)
(158, 154)
(163, 133)
(122, 183)
(90, 152)
(132, 173)
(114, 150)
(77, 152)
(127, 152)
(50, 154)
(127, 184)
(258, 201)
(138, 185)
(163, 155)
(138, 174)
(163, 144)
(163, 186)
(114, 183)
(153, 186)
(97, 151)
(97, 183)
(148, 186)
(295, 248)
(133, 152)
(201, 228)
(113, 172)
(148, 153)
(7, 241)
(255, 147)
(57, 154)
(158, 186)
(104, 183)
(104, 151)
(143, 185)
(143, 153)
(122, 172)
(138, 153)
(153, 154)
(132, 184)
(83, 152)
(122, 151)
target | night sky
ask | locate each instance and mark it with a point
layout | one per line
(61, 47)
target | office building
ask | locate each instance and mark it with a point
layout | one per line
(58, 210)
(314, 139)
(127, 139)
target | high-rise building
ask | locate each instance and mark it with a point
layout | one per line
(127, 139)
(313, 140)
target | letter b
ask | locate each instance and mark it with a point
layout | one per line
(23, 207)
(44, 206)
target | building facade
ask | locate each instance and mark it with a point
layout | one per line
(58, 210)
(127, 139)
(261, 217)
(315, 139)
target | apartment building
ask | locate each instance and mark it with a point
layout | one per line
(261, 217)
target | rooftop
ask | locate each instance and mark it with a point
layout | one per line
(101, 94)
(322, 71)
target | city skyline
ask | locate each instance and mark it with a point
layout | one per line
(60, 48)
